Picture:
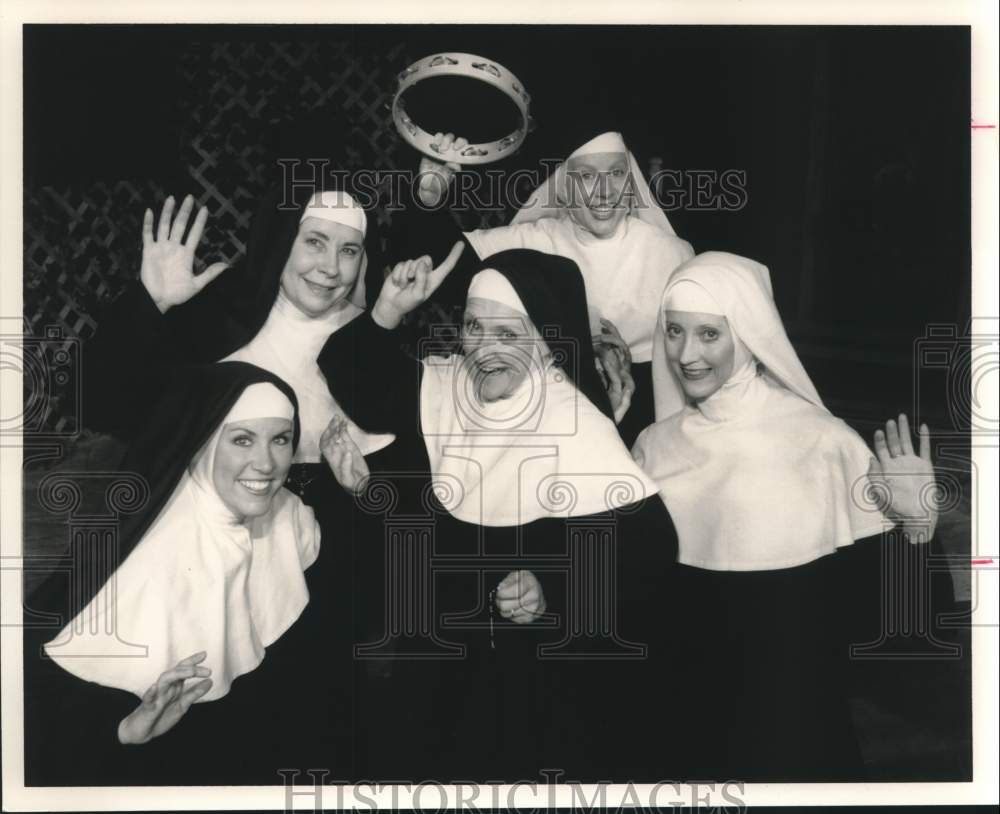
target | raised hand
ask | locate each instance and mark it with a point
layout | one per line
(343, 456)
(168, 262)
(409, 284)
(166, 702)
(519, 597)
(904, 479)
(436, 176)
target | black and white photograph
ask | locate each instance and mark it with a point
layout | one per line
(429, 410)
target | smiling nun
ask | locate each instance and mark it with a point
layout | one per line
(597, 209)
(513, 456)
(777, 523)
(180, 666)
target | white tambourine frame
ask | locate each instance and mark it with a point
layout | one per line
(472, 67)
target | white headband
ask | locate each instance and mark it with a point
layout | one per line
(260, 400)
(609, 142)
(692, 297)
(336, 206)
(490, 284)
(687, 295)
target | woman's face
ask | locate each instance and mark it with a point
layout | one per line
(251, 463)
(321, 268)
(500, 348)
(700, 351)
(598, 184)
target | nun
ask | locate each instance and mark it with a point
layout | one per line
(303, 279)
(186, 664)
(597, 209)
(780, 510)
(515, 463)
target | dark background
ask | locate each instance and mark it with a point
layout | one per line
(854, 141)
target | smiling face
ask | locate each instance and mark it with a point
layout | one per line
(500, 347)
(700, 351)
(251, 463)
(597, 186)
(322, 266)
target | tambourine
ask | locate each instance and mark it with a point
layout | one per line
(472, 67)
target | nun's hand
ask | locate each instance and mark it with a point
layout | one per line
(168, 262)
(165, 703)
(436, 176)
(343, 456)
(610, 335)
(614, 370)
(519, 597)
(903, 481)
(408, 286)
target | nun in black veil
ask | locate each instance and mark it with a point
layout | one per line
(541, 592)
(596, 208)
(192, 659)
(303, 278)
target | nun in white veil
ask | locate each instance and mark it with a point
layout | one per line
(774, 507)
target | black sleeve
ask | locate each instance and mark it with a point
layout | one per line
(123, 363)
(646, 556)
(643, 552)
(71, 725)
(371, 377)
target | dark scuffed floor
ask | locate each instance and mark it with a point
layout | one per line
(913, 715)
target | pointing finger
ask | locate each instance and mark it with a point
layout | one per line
(442, 271)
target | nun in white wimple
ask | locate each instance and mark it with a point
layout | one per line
(188, 646)
(313, 303)
(767, 491)
(597, 209)
(207, 577)
(303, 279)
(512, 460)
